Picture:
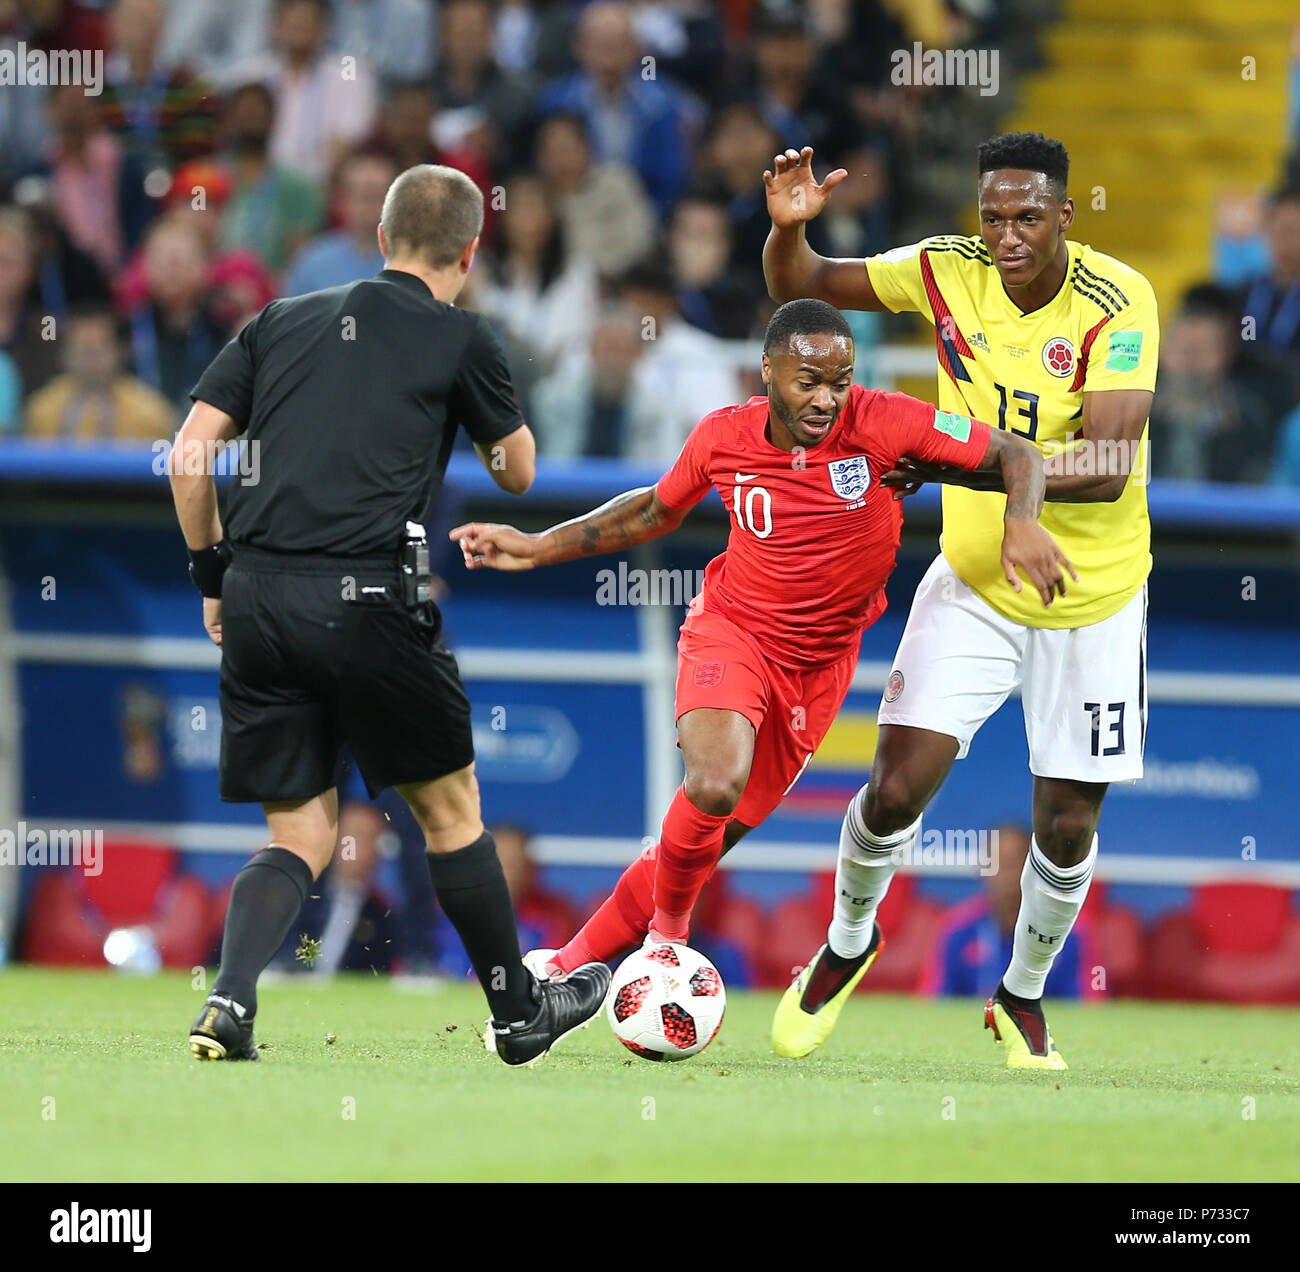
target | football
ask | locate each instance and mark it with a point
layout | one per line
(666, 1002)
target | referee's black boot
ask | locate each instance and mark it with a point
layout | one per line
(218, 1034)
(563, 1006)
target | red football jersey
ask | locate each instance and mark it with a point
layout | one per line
(813, 534)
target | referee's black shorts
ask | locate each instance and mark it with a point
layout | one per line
(320, 651)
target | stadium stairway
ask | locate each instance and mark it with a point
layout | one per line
(1158, 107)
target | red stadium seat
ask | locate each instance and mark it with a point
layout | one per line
(796, 929)
(71, 913)
(1235, 943)
(740, 920)
(1116, 942)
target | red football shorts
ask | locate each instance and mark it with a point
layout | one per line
(721, 666)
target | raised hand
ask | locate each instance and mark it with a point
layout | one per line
(793, 193)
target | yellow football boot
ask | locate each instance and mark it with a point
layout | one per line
(1026, 1035)
(799, 1027)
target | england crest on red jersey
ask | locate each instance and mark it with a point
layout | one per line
(850, 477)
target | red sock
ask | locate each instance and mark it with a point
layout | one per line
(689, 847)
(620, 923)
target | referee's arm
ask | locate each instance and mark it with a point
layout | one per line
(512, 460)
(190, 471)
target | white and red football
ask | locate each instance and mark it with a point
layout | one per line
(666, 1002)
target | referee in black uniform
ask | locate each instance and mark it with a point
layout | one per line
(317, 591)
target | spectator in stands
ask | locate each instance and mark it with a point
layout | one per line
(802, 103)
(162, 114)
(860, 225)
(973, 944)
(686, 42)
(644, 122)
(85, 176)
(681, 376)
(1219, 400)
(642, 381)
(1271, 301)
(394, 37)
(273, 209)
(239, 282)
(532, 289)
(481, 106)
(65, 275)
(545, 920)
(585, 405)
(711, 294)
(740, 142)
(1240, 243)
(212, 39)
(352, 251)
(174, 334)
(405, 133)
(602, 207)
(94, 399)
(25, 330)
(24, 108)
(323, 106)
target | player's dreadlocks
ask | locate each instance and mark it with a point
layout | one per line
(1030, 151)
(803, 318)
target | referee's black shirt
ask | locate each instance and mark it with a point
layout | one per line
(353, 395)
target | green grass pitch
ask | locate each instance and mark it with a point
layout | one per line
(99, 1085)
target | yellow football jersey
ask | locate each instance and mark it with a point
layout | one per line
(1028, 373)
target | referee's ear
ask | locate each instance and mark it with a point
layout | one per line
(467, 257)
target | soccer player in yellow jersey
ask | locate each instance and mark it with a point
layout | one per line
(1056, 342)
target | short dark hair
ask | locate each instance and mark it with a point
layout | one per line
(1209, 300)
(1030, 151)
(432, 211)
(649, 274)
(804, 318)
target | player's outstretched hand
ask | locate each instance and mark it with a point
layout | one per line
(495, 547)
(1027, 546)
(793, 194)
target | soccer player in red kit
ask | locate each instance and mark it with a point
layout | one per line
(769, 646)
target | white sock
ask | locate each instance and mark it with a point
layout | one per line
(862, 875)
(1050, 900)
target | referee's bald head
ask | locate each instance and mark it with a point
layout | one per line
(431, 212)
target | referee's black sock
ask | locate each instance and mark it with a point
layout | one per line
(268, 893)
(471, 889)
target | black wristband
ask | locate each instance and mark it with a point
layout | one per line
(208, 568)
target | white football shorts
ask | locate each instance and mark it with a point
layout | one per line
(1084, 689)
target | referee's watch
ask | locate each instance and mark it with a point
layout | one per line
(208, 568)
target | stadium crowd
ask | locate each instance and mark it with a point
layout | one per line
(240, 151)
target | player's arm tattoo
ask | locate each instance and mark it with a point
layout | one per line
(1020, 466)
(626, 520)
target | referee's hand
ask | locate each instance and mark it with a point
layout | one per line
(212, 618)
(495, 547)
